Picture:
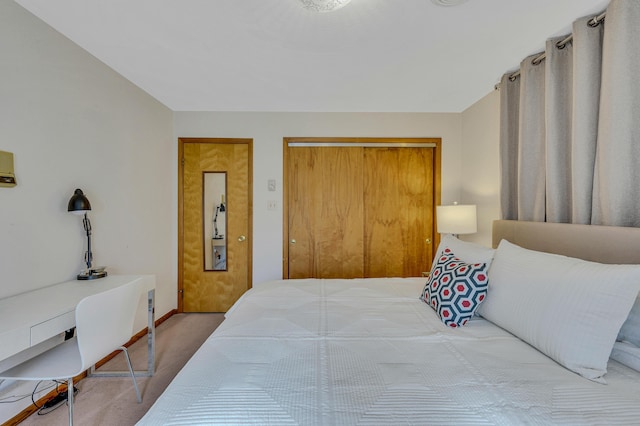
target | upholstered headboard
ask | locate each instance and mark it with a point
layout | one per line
(604, 244)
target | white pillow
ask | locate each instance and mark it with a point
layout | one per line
(627, 354)
(569, 309)
(465, 251)
(630, 331)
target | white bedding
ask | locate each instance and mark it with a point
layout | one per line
(347, 352)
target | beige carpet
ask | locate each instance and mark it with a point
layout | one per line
(112, 401)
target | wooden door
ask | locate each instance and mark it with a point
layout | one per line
(326, 233)
(398, 211)
(201, 290)
(360, 207)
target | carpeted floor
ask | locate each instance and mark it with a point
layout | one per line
(112, 401)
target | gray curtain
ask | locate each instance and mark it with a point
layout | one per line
(531, 147)
(559, 130)
(616, 182)
(587, 65)
(570, 130)
(509, 124)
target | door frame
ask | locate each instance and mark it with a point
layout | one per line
(436, 143)
(181, 143)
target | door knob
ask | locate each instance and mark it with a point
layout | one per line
(292, 241)
(428, 240)
(241, 238)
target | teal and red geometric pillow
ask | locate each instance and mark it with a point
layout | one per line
(455, 289)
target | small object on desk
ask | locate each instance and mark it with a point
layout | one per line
(93, 273)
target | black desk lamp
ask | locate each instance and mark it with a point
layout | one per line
(79, 204)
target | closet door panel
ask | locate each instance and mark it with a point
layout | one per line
(325, 212)
(398, 209)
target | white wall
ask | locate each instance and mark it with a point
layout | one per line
(480, 163)
(267, 131)
(72, 122)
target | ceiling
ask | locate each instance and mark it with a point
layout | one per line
(274, 55)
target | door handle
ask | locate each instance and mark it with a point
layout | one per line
(428, 240)
(241, 238)
(292, 241)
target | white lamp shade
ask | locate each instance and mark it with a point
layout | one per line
(457, 219)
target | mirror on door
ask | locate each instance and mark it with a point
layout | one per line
(215, 220)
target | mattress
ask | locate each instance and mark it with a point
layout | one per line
(368, 351)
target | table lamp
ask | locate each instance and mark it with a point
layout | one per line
(79, 204)
(456, 219)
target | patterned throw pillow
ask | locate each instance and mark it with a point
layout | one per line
(455, 289)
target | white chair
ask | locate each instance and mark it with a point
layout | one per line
(104, 322)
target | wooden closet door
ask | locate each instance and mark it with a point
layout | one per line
(398, 211)
(360, 207)
(325, 227)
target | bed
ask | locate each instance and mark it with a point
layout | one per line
(555, 341)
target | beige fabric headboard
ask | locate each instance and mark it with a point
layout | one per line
(604, 244)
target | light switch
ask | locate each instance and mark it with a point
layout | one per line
(271, 185)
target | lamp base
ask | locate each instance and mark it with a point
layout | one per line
(92, 274)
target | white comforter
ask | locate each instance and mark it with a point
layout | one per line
(347, 352)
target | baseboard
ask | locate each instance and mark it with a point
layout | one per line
(18, 418)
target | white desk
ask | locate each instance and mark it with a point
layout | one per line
(35, 316)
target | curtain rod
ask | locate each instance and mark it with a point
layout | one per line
(593, 22)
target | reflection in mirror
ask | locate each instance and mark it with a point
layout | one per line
(215, 221)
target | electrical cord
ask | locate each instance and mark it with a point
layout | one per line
(10, 399)
(33, 400)
(51, 404)
(55, 401)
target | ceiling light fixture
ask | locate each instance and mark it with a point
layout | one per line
(323, 5)
(448, 3)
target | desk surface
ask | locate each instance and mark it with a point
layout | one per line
(22, 314)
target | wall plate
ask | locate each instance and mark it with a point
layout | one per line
(7, 176)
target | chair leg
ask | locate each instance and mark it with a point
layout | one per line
(70, 399)
(133, 375)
